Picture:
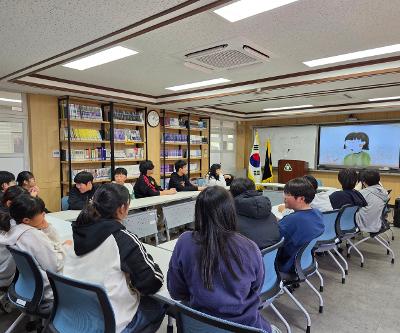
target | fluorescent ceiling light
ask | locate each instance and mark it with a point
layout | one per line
(242, 9)
(354, 55)
(384, 99)
(289, 107)
(100, 58)
(198, 84)
(10, 100)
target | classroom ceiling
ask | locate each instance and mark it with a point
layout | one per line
(40, 36)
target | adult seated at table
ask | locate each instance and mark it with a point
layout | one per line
(300, 227)
(368, 218)
(179, 179)
(105, 253)
(321, 200)
(82, 191)
(255, 219)
(348, 196)
(216, 270)
(146, 186)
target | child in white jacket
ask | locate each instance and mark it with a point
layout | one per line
(21, 229)
(215, 176)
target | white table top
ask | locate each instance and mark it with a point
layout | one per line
(169, 246)
(162, 258)
(71, 215)
(281, 186)
(63, 227)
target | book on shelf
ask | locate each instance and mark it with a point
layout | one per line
(129, 153)
(121, 115)
(81, 112)
(172, 153)
(84, 134)
(88, 154)
(167, 168)
(126, 135)
(193, 153)
(98, 173)
(174, 138)
(198, 139)
(174, 122)
(199, 124)
(164, 182)
(133, 170)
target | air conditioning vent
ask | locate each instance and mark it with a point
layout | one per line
(233, 54)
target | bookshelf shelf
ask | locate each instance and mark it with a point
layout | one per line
(86, 141)
(127, 123)
(129, 160)
(85, 121)
(87, 162)
(128, 143)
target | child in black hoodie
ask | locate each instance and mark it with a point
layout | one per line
(106, 253)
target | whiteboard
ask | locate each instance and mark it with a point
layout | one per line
(291, 142)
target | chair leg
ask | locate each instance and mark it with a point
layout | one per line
(383, 240)
(340, 267)
(321, 301)
(321, 280)
(170, 326)
(16, 323)
(294, 299)
(346, 266)
(387, 248)
(281, 318)
(357, 250)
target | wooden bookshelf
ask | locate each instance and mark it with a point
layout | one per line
(132, 125)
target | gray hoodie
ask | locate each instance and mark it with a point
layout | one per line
(35, 242)
(7, 267)
(368, 218)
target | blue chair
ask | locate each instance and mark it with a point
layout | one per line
(79, 307)
(320, 183)
(347, 228)
(189, 320)
(64, 203)
(27, 289)
(273, 286)
(377, 235)
(329, 240)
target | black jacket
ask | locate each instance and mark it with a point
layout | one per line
(181, 183)
(347, 197)
(78, 200)
(255, 220)
(146, 186)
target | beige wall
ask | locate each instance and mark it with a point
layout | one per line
(43, 140)
(245, 137)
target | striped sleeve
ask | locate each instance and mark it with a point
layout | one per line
(144, 273)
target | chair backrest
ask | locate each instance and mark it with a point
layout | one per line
(201, 182)
(272, 278)
(27, 289)
(385, 212)
(276, 197)
(305, 261)
(142, 224)
(189, 320)
(64, 203)
(179, 214)
(319, 182)
(79, 307)
(347, 223)
(331, 220)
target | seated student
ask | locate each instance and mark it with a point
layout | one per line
(216, 270)
(7, 180)
(368, 218)
(83, 190)
(7, 264)
(216, 177)
(21, 230)
(255, 220)
(348, 196)
(26, 180)
(179, 179)
(146, 185)
(120, 176)
(321, 200)
(9, 195)
(106, 253)
(300, 227)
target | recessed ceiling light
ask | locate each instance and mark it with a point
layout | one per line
(289, 107)
(242, 9)
(198, 84)
(353, 55)
(10, 100)
(383, 98)
(100, 58)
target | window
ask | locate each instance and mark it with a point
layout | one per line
(222, 145)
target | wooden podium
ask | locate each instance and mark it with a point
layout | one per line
(289, 169)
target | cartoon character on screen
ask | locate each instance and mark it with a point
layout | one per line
(357, 143)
